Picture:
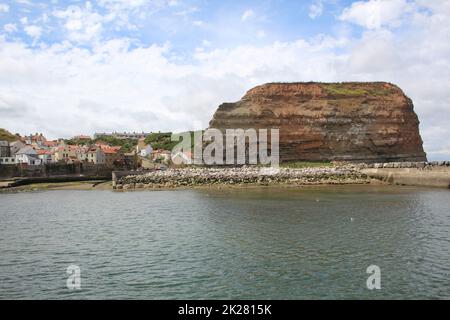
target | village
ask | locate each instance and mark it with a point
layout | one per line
(110, 150)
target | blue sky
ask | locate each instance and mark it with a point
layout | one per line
(72, 67)
(186, 24)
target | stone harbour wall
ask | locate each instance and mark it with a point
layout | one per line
(200, 176)
(426, 174)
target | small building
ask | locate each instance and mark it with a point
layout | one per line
(113, 155)
(5, 149)
(36, 140)
(16, 146)
(27, 155)
(95, 155)
(82, 153)
(45, 156)
(7, 160)
(131, 160)
(65, 151)
(146, 151)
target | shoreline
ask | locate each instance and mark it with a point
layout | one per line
(107, 186)
(219, 178)
(43, 186)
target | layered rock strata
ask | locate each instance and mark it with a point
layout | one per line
(367, 122)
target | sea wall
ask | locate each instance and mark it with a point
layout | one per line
(54, 169)
(430, 174)
(436, 177)
(206, 176)
(427, 174)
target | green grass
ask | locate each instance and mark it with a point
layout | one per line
(354, 89)
(345, 90)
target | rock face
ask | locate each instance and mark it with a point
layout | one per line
(372, 122)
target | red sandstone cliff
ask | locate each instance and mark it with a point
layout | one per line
(331, 121)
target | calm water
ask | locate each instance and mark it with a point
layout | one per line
(244, 244)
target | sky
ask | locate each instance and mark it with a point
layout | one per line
(79, 67)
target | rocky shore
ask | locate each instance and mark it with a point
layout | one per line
(204, 176)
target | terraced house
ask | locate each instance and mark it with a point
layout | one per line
(113, 155)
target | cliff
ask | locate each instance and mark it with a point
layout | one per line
(372, 122)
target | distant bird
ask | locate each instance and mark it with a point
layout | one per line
(351, 219)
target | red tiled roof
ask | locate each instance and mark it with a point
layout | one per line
(109, 149)
(49, 143)
(42, 152)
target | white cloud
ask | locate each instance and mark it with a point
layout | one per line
(10, 28)
(33, 31)
(4, 8)
(83, 24)
(374, 14)
(123, 3)
(247, 15)
(25, 2)
(315, 9)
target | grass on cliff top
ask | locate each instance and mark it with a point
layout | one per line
(306, 164)
(349, 89)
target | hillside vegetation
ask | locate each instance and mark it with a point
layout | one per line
(5, 135)
(163, 140)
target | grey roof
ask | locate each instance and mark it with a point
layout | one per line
(26, 150)
(12, 144)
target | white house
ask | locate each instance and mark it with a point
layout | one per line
(7, 160)
(27, 155)
(145, 152)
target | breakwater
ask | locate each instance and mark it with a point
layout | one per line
(426, 174)
(54, 170)
(200, 176)
(429, 174)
